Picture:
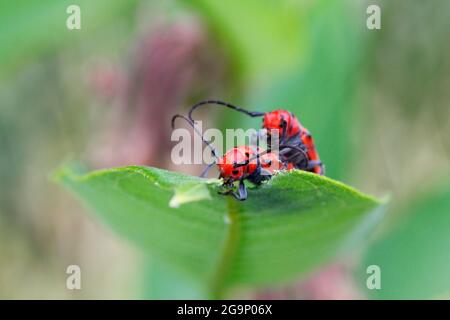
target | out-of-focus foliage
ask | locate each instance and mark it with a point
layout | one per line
(33, 28)
(414, 254)
(263, 38)
(285, 228)
(47, 112)
(376, 102)
(411, 51)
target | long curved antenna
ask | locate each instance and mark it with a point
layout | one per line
(258, 161)
(225, 104)
(192, 124)
(205, 171)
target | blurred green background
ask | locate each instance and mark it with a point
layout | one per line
(376, 101)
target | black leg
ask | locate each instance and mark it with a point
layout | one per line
(242, 191)
(296, 155)
(241, 195)
(314, 163)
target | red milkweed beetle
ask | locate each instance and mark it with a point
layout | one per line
(291, 134)
(239, 164)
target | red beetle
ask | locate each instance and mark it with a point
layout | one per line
(239, 164)
(291, 134)
(246, 163)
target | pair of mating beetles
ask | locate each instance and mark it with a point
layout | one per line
(296, 150)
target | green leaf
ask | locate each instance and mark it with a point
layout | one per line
(414, 255)
(287, 227)
(162, 282)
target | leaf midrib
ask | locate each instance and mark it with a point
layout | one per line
(232, 237)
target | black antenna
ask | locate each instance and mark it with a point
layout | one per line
(257, 149)
(226, 104)
(192, 124)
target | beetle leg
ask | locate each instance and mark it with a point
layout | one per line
(297, 156)
(242, 191)
(313, 163)
(241, 195)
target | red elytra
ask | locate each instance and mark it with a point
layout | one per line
(283, 120)
(244, 161)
